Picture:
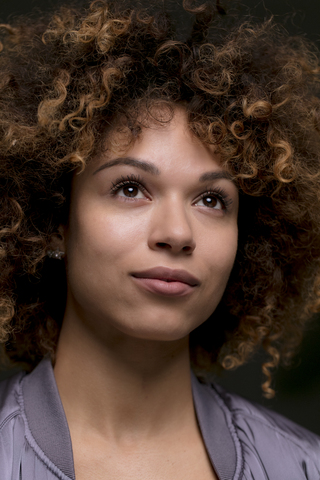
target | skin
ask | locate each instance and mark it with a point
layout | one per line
(122, 365)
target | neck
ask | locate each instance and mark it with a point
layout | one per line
(125, 386)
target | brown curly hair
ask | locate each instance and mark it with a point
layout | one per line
(249, 89)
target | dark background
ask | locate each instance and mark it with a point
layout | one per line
(298, 388)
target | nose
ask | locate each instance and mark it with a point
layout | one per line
(171, 229)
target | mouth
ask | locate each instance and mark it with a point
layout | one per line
(166, 281)
(168, 275)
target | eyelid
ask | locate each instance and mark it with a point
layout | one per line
(218, 192)
(133, 179)
(127, 180)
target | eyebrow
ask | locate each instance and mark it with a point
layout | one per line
(150, 168)
(210, 176)
(134, 162)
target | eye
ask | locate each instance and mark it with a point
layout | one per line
(128, 188)
(211, 201)
(130, 191)
(215, 198)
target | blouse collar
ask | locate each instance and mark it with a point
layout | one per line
(48, 424)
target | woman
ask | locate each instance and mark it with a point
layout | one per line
(160, 202)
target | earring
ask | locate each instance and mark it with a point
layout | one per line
(56, 254)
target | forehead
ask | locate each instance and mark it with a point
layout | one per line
(166, 154)
(168, 143)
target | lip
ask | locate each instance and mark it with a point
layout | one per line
(166, 281)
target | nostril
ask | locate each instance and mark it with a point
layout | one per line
(163, 245)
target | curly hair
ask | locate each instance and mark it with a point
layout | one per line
(249, 89)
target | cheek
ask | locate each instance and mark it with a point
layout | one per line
(98, 248)
(101, 247)
(228, 251)
(220, 251)
(96, 235)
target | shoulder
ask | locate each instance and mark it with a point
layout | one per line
(20, 456)
(243, 410)
(269, 435)
(9, 398)
(12, 426)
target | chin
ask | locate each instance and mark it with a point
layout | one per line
(161, 331)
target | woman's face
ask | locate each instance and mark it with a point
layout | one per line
(152, 236)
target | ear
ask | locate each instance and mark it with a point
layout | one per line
(57, 246)
(62, 237)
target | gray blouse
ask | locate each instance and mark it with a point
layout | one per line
(244, 441)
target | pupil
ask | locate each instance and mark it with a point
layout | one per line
(209, 201)
(130, 191)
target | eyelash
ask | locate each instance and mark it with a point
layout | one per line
(128, 180)
(136, 180)
(220, 194)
